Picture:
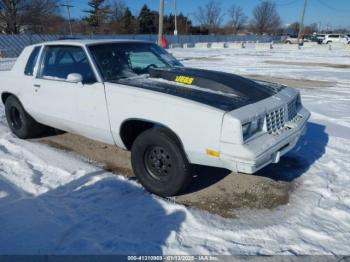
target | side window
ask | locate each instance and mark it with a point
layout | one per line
(60, 61)
(33, 58)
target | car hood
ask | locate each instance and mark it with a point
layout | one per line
(218, 89)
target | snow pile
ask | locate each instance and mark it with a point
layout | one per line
(52, 201)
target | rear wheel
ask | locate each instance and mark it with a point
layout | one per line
(20, 122)
(159, 162)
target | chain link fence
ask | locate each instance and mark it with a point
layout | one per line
(12, 45)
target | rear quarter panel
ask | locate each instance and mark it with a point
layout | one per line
(12, 81)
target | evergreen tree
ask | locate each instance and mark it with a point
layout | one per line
(148, 20)
(183, 24)
(98, 13)
(127, 21)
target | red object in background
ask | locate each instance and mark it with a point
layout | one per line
(163, 42)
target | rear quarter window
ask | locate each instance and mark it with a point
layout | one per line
(29, 69)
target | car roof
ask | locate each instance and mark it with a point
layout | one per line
(84, 42)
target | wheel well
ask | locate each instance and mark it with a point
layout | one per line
(4, 97)
(132, 128)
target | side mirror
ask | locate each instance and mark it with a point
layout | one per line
(75, 78)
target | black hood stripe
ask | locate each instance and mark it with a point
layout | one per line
(217, 81)
(242, 91)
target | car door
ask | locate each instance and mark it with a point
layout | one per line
(65, 102)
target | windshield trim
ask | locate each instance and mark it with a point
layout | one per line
(152, 47)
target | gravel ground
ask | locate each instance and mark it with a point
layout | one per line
(216, 190)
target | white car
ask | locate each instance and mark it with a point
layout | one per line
(294, 40)
(336, 38)
(320, 38)
(136, 96)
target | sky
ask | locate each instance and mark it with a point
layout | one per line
(327, 13)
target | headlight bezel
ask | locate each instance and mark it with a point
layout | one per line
(252, 127)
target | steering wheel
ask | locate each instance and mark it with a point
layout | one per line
(147, 68)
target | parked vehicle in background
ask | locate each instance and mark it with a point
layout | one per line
(311, 38)
(320, 38)
(293, 39)
(336, 38)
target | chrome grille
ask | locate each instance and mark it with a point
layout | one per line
(292, 108)
(275, 121)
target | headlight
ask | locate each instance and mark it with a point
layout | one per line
(251, 128)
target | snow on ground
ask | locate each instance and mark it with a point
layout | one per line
(52, 201)
(265, 62)
(6, 63)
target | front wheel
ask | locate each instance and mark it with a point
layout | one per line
(20, 122)
(159, 162)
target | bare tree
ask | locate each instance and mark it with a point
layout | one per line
(40, 14)
(237, 18)
(312, 28)
(266, 18)
(34, 14)
(10, 15)
(118, 9)
(293, 28)
(210, 15)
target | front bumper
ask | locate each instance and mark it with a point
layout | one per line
(263, 150)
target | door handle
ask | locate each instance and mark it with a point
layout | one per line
(37, 87)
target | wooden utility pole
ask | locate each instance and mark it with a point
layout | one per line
(175, 16)
(161, 19)
(68, 12)
(301, 26)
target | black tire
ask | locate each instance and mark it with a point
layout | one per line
(159, 162)
(20, 122)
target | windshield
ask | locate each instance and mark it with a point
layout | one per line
(124, 60)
